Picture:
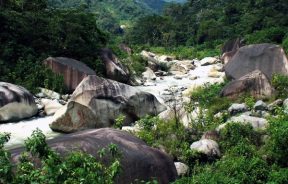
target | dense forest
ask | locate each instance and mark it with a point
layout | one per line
(30, 32)
(111, 14)
(211, 22)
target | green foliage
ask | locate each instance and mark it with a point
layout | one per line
(203, 22)
(268, 35)
(235, 133)
(278, 176)
(5, 165)
(208, 97)
(137, 64)
(285, 43)
(119, 121)
(28, 37)
(175, 139)
(36, 144)
(113, 13)
(276, 144)
(76, 167)
(250, 101)
(280, 83)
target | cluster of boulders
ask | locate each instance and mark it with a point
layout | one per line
(96, 103)
(251, 69)
(240, 113)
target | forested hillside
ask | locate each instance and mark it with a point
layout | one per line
(30, 32)
(197, 22)
(113, 13)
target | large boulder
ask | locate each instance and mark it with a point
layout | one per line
(138, 160)
(268, 58)
(72, 70)
(230, 48)
(255, 83)
(113, 68)
(97, 102)
(16, 103)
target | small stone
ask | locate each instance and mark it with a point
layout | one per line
(182, 169)
(275, 104)
(207, 147)
(237, 108)
(260, 105)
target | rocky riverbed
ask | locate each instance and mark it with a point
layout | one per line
(49, 102)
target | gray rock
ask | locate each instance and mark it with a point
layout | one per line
(208, 61)
(237, 108)
(47, 93)
(72, 70)
(206, 146)
(138, 160)
(149, 74)
(97, 102)
(51, 106)
(260, 105)
(267, 58)
(285, 104)
(182, 169)
(255, 83)
(275, 104)
(213, 135)
(65, 97)
(16, 103)
(255, 122)
(113, 68)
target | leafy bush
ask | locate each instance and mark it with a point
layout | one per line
(5, 165)
(285, 44)
(249, 101)
(229, 170)
(280, 83)
(137, 64)
(278, 176)
(269, 35)
(235, 133)
(276, 147)
(173, 138)
(76, 167)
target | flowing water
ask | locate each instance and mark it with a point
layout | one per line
(23, 129)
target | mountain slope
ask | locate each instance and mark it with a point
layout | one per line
(113, 13)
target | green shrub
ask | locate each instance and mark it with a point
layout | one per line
(5, 165)
(285, 44)
(280, 83)
(137, 64)
(234, 134)
(174, 138)
(268, 35)
(119, 121)
(276, 146)
(229, 170)
(278, 176)
(76, 167)
(249, 101)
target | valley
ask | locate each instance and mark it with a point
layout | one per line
(153, 91)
